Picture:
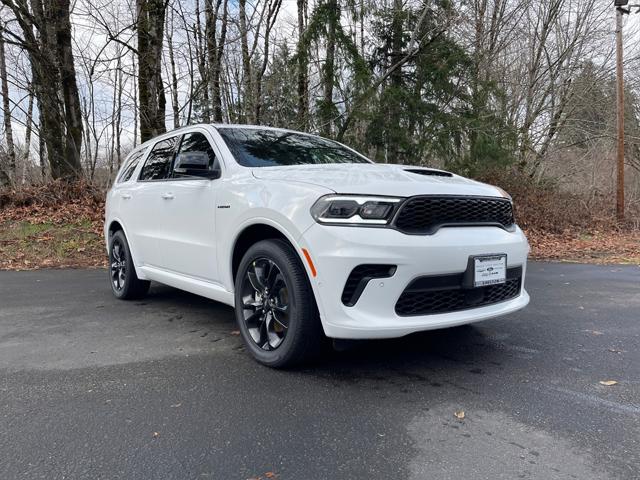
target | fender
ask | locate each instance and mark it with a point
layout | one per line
(295, 242)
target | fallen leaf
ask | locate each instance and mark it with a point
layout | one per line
(235, 332)
(594, 332)
(608, 383)
(270, 475)
(459, 414)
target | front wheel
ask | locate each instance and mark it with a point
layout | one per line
(275, 307)
(125, 284)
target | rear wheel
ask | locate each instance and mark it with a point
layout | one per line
(275, 307)
(125, 284)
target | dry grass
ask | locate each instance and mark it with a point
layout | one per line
(564, 227)
(54, 225)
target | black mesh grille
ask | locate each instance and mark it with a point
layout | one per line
(454, 299)
(426, 214)
(359, 278)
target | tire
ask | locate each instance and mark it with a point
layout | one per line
(280, 326)
(125, 284)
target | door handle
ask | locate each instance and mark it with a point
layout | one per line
(168, 196)
(125, 196)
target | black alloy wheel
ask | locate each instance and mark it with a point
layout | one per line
(125, 283)
(275, 306)
(118, 265)
(265, 303)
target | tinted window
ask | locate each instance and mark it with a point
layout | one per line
(130, 166)
(195, 145)
(158, 164)
(266, 148)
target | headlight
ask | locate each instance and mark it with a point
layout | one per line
(354, 210)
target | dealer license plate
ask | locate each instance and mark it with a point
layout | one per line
(489, 270)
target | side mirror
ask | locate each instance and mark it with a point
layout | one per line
(195, 164)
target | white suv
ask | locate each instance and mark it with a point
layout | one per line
(308, 239)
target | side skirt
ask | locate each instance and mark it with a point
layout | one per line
(199, 287)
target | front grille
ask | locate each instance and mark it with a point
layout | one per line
(445, 297)
(358, 279)
(425, 215)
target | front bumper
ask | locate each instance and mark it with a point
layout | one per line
(337, 250)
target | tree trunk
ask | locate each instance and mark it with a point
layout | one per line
(150, 25)
(247, 111)
(112, 147)
(42, 147)
(70, 96)
(27, 135)
(326, 110)
(5, 177)
(52, 123)
(136, 109)
(215, 50)
(174, 77)
(303, 74)
(395, 79)
(201, 46)
(119, 112)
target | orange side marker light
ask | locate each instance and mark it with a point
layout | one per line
(314, 273)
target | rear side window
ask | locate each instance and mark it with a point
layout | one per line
(130, 166)
(158, 164)
(195, 148)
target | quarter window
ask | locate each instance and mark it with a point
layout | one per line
(130, 166)
(195, 148)
(158, 164)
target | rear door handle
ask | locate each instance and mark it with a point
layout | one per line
(125, 196)
(168, 196)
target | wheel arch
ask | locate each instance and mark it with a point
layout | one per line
(116, 225)
(252, 234)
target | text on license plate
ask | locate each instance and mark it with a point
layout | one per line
(489, 270)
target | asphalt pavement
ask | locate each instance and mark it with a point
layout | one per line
(96, 388)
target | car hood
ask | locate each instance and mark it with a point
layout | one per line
(378, 179)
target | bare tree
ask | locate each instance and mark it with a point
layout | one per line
(173, 87)
(303, 68)
(215, 51)
(5, 178)
(150, 26)
(46, 36)
(28, 132)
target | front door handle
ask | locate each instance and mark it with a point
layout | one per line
(125, 196)
(168, 196)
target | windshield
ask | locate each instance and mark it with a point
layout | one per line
(271, 148)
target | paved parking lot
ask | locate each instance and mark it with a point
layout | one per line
(96, 388)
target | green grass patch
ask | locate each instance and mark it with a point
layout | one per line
(25, 244)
